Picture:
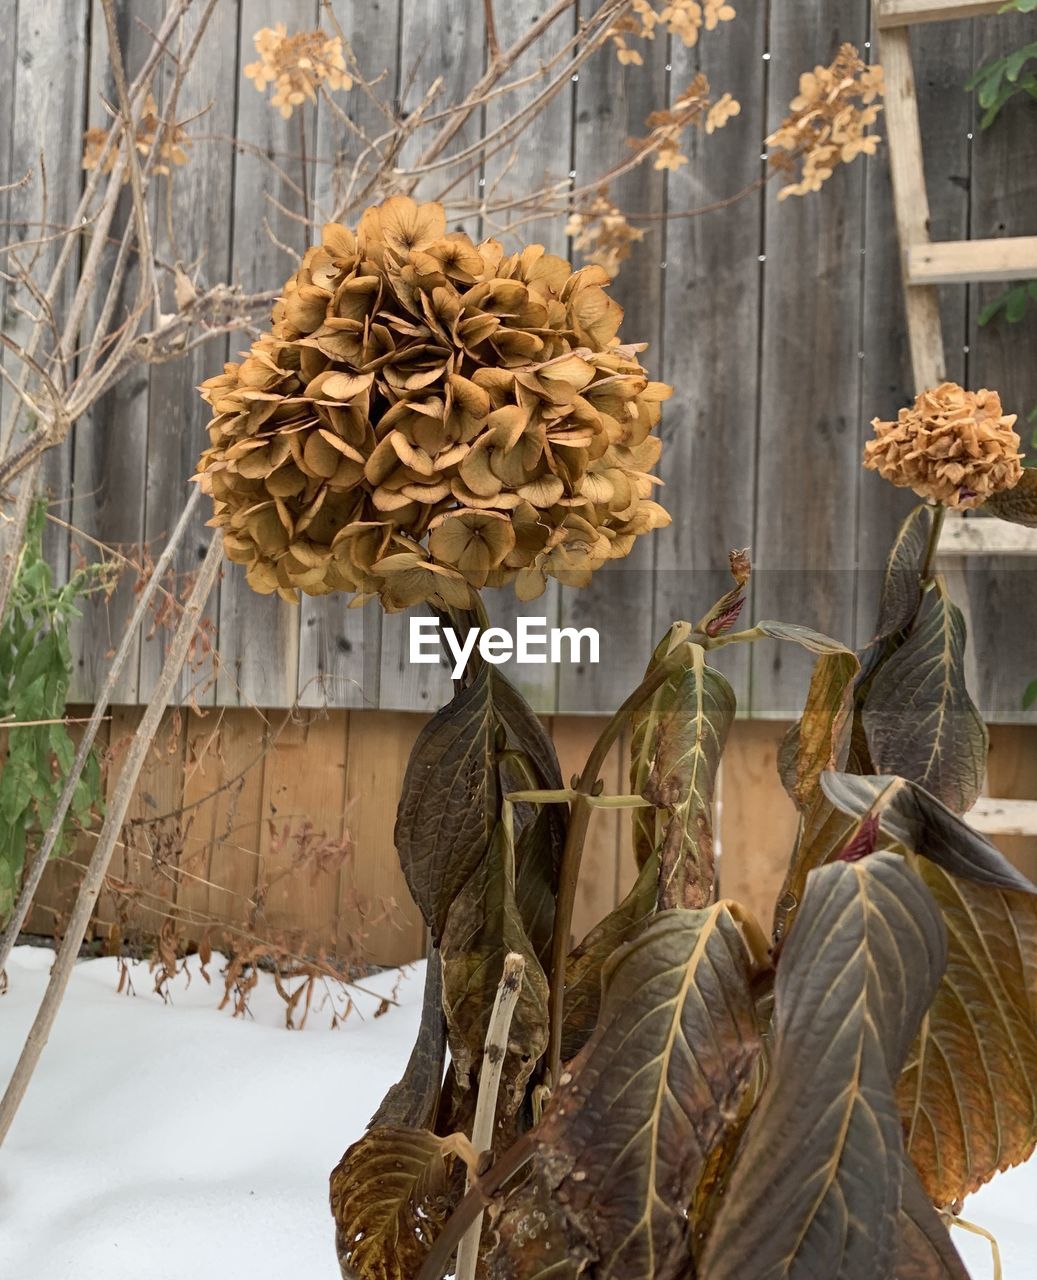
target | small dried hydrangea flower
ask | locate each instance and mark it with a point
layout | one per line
(428, 416)
(296, 65)
(953, 446)
(172, 143)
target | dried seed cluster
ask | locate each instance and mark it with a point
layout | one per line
(427, 416)
(952, 446)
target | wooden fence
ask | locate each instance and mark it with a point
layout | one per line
(282, 826)
(780, 325)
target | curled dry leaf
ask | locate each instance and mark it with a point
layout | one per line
(1018, 504)
(390, 1195)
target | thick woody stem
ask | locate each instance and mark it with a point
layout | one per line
(93, 879)
(489, 1083)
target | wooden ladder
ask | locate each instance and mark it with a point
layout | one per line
(926, 264)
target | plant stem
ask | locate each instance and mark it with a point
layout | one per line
(579, 818)
(496, 1048)
(305, 173)
(939, 513)
(39, 859)
(93, 878)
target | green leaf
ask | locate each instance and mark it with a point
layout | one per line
(816, 1188)
(483, 925)
(1018, 504)
(625, 1138)
(918, 718)
(390, 1195)
(450, 801)
(676, 743)
(1030, 695)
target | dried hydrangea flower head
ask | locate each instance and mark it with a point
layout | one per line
(828, 121)
(427, 416)
(952, 446)
(296, 65)
(173, 142)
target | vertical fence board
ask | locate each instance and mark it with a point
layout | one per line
(1003, 592)
(177, 415)
(757, 821)
(49, 72)
(375, 905)
(339, 647)
(612, 104)
(942, 61)
(259, 635)
(111, 441)
(810, 377)
(712, 339)
(303, 810)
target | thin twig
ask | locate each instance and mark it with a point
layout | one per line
(40, 857)
(120, 802)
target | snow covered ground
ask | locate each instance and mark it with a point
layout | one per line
(172, 1140)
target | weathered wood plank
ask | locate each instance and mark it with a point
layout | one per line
(339, 648)
(300, 840)
(942, 63)
(1003, 592)
(901, 13)
(176, 413)
(612, 103)
(259, 635)
(712, 300)
(48, 56)
(962, 261)
(111, 441)
(376, 907)
(514, 173)
(438, 39)
(810, 380)
(756, 821)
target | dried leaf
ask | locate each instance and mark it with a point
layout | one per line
(918, 717)
(1018, 504)
(413, 1100)
(449, 804)
(816, 1188)
(623, 1143)
(482, 927)
(585, 963)
(390, 1195)
(924, 1248)
(968, 1094)
(677, 741)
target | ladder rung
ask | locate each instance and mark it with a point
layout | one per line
(906, 13)
(1003, 817)
(985, 535)
(962, 261)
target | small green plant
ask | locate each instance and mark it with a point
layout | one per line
(35, 667)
